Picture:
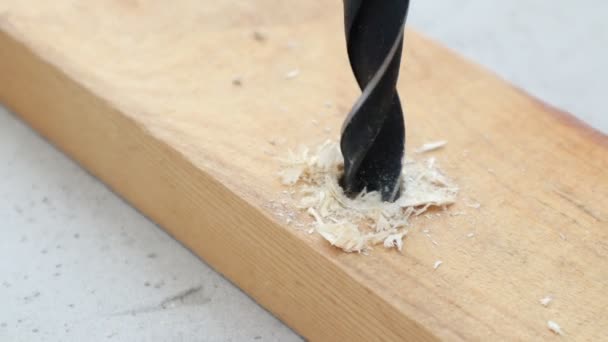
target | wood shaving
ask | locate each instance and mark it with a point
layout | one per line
(357, 224)
(437, 264)
(470, 235)
(395, 240)
(546, 301)
(432, 146)
(554, 327)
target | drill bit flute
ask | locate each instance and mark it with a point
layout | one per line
(373, 134)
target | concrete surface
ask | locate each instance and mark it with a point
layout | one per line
(556, 50)
(77, 263)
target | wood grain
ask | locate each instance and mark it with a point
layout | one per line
(140, 93)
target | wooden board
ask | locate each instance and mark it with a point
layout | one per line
(140, 93)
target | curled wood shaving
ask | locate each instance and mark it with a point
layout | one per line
(357, 224)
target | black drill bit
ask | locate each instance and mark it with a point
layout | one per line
(373, 134)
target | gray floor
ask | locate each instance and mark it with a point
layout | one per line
(77, 263)
(556, 50)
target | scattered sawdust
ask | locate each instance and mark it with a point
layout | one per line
(357, 224)
(432, 146)
(546, 301)
(555, 328)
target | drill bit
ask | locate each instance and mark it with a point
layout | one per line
(373, 134)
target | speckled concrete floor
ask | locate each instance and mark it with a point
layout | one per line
(77, 263)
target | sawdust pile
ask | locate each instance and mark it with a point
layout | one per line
(357, 224)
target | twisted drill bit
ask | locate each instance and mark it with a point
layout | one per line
(373, 134)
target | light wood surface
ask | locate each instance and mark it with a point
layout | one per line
(141, 94)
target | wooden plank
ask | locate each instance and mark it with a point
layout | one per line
(140, 94)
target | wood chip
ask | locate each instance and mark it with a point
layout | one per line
(292, 74)
(554, 327)
(546, 301)
(437, 264)
(432, 146)
(395, 240)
